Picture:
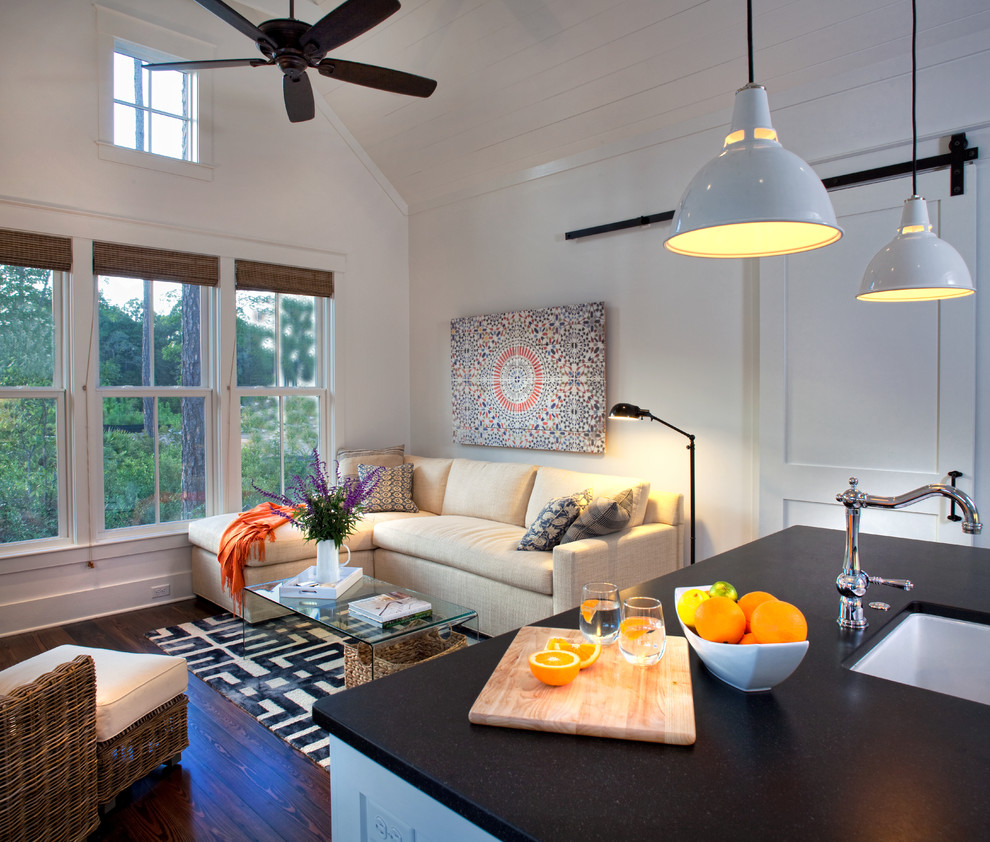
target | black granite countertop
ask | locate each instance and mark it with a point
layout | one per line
(828, 754)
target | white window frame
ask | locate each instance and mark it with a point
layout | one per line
(58, 392)
(207, 390)
(321, 390)
(152, 41)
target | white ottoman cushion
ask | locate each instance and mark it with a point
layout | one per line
(129, 685)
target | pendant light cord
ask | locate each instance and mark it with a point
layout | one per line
(749, 36)
(914, 97)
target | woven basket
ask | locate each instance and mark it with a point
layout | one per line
(395, 657)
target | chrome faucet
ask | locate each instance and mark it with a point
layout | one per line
(852, 582)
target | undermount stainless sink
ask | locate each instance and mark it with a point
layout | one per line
(925, 647)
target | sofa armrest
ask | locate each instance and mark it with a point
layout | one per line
(624, 558)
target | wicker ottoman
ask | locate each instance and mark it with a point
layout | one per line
(140, 712)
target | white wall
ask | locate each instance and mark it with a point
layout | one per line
(683, 333)
(297, 194)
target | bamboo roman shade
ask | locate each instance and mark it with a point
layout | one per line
(41, 251)
(290, 280)
(150, 264)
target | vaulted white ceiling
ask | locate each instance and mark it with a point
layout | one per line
(526, 84)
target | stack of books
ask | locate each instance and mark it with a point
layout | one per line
(387, 609)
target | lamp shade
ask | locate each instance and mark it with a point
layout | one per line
(755, 199)
(916, 265)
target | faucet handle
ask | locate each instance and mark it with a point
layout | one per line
(903, 584)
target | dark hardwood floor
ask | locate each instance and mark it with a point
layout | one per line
(237, 780)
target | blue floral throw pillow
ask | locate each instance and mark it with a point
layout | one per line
(602, 517)
(551, 523)
(393, 492)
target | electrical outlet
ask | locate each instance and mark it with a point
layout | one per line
(158, 591)
(381, 826)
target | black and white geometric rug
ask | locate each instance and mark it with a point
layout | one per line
(276, 674)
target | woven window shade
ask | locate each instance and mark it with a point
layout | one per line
(290, 280)
(41, 251)
(126, 261)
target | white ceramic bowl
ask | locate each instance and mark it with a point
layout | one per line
(754, 667)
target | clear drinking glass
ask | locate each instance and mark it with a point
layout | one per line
(600, 612)
(642, 635)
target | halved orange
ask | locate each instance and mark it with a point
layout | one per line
(587, 652)
(555, 666)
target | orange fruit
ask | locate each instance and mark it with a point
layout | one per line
(774, 621)
(747, 638)
(554, 666)
(749, 601)
(588, 609)
(720, 620)
(587, 652)
(633, 627)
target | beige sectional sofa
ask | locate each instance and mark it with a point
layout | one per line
(462, 543)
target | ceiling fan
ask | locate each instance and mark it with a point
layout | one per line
(295, 46)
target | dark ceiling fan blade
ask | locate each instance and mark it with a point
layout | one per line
(372, 76)
(298, 95)
(209, 64)
(346, 22)
(236, 20)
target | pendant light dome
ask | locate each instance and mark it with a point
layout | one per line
(755, 199)
(916, 265)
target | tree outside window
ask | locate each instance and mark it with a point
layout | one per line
(31, 403)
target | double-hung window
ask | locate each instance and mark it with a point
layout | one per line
(32, 390)
(156, 404)
(282, 377)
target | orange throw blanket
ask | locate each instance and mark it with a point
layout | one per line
(249, 529)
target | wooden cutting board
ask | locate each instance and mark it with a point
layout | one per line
(611, 698)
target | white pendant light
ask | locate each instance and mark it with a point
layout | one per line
(755, 199)
(916, 265)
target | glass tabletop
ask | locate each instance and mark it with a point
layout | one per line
(334, 614)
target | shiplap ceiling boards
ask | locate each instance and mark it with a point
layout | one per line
(526, 84)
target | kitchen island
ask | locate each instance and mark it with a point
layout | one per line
(829, 754)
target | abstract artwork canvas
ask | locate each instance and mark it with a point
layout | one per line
(531, 378)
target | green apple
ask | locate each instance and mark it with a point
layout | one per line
(725, 589)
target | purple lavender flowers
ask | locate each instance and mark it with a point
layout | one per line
(324, 512)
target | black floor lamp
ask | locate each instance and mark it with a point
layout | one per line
(627, 410)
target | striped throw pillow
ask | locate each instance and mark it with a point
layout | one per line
(604, 516)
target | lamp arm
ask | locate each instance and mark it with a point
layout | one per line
(653, 417)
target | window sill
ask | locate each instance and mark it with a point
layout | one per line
(148, 161)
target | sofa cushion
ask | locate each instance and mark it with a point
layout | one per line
(128, 684)
(496, 491)
(429, 481)
(545, 532)
(604, 516)
(289, 544)
(557, 482)
(392, 491)
(483, 547)
(363, 535)
(348, 460)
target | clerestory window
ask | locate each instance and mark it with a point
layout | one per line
(154, 111)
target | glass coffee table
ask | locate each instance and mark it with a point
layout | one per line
(369, 651)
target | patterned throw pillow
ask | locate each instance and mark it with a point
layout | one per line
(602, 517)
(393, 493)
(551, 523)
